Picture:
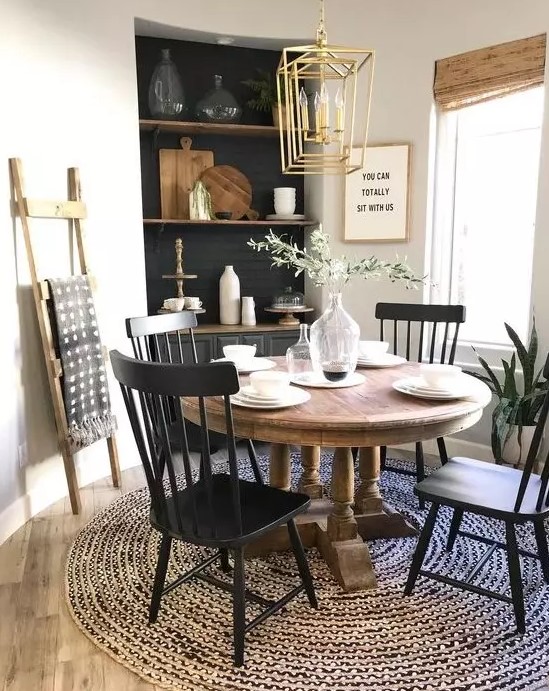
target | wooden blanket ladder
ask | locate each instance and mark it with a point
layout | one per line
(72, 210)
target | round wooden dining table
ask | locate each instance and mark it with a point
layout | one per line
(367, 416)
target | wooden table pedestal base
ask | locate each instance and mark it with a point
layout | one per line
(348, 560)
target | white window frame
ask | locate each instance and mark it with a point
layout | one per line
(440, 255)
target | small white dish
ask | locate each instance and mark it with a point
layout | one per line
(285, 217)
(239, 353)
(317, 380)
(293, 396)
(372, 349)
(439, 376)
(254, 365)
(385, 360)
(270, 384)
(415, 386)
(248, 392)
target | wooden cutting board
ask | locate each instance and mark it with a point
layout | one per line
(229, 189)
(179, 170)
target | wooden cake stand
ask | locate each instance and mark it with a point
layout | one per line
(287, 313)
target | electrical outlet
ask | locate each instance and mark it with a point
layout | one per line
(23, 455)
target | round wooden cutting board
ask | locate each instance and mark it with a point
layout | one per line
(229, 189)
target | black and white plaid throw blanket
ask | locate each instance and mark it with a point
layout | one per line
(87, 401)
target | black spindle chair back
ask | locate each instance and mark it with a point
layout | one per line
(150, 336)
(151, 391)
(433, 326)
(215, 509)
(543, 495)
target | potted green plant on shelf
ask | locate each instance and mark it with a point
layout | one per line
(266, 95)
(518, 403)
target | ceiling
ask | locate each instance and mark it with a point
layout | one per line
(144, 27)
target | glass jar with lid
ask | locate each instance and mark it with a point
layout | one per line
(289, 299)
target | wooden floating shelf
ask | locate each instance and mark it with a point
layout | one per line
(180, 127)
(216, 222)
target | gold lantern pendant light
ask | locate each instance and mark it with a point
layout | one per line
(324, 95)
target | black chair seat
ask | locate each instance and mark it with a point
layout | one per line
(484, 488)
(263, 508)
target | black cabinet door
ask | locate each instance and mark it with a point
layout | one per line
(221, 341)
(257, 340)
(278, 343)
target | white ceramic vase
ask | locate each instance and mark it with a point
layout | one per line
(514, 453)
(229, 297)
(248, 311)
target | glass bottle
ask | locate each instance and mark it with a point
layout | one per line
(334, 342)
(218, 105)
(166, 96)
(298, 356)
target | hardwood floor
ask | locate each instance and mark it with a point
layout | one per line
(41, 649)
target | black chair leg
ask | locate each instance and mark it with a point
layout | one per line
(239, 607)
(442, 450)
(225, 563)
(420, 469)
(515, 576)
(253, 462)
(421, 549)
(382, 456)
(454, 528)
(543, 551)
(302, 563)
(160, 577)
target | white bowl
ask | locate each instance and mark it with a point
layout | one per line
(372, 349)
(269, 383)
(439, 376)
(239, 353)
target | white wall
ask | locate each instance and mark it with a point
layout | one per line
(69, 89)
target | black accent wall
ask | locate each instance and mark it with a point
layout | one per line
(208, 248)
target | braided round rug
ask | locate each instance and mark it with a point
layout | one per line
(377, 640)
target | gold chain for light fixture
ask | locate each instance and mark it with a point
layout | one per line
(314, 136)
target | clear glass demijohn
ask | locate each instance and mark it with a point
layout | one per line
(298, 356)
(166, 96)
(334, 342)
(218, 105)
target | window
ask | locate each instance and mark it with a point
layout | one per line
(487, 162)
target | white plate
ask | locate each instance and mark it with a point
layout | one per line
(386, 360)
(409, 386)
(294, 397)
(315, 379)
(254, 365)
(248, 392)
(285, 217)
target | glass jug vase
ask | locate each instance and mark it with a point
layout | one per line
(298, 356)
(166, 96)
(218, 105)
(334, 342)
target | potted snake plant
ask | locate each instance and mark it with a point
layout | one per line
(518, 402)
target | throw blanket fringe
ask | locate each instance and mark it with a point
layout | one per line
(92, 430)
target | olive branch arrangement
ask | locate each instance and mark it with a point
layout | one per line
(324, 269)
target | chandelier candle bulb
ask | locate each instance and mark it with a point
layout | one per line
(318, 123)
(304, 105)
(340, 111)
(324, 109)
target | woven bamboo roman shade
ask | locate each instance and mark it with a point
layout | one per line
(488, 73)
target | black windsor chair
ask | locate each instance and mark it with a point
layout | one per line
(424, 323)
(150, 338)
(217, 510)
(499, 492)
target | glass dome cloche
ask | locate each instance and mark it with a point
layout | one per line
(218, 105)
(289, 298)
(166, 95)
